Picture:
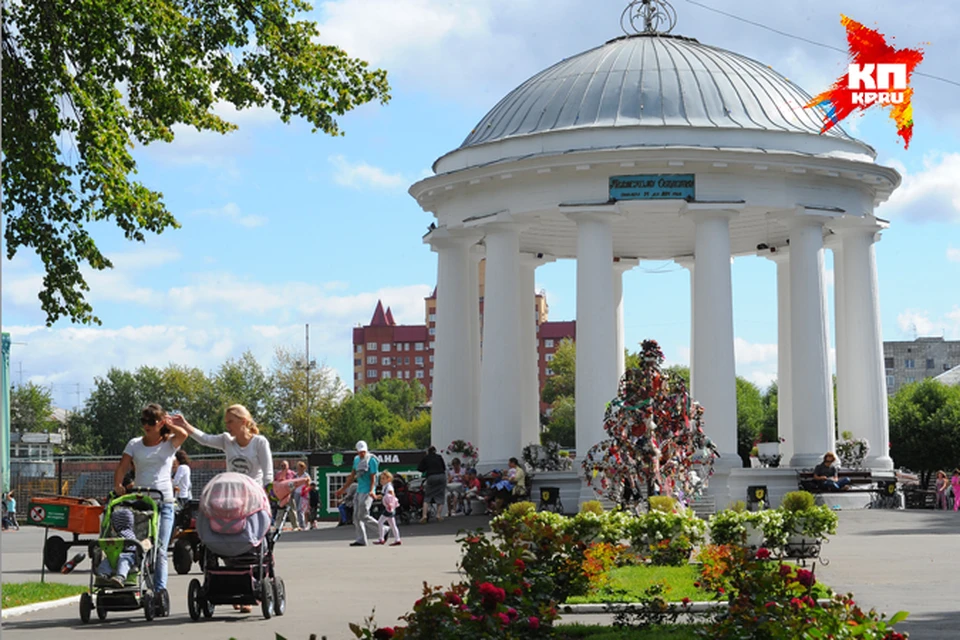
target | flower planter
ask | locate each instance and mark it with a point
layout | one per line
(801, 546)
(769, 454)
(755, 536)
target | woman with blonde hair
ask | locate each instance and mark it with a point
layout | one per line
(247, 451)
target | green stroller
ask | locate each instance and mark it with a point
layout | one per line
(129, 534)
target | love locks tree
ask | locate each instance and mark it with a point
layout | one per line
(656, 440)
(85, 82)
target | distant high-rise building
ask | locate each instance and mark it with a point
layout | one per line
(907, 362)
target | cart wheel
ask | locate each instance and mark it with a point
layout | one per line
(266, 599)
(279, 597)
(182, 556)
(206, 608)
(147, 602)
(86, 606)
(54, 553)
(194, 602)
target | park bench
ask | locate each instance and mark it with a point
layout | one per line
(861, 481)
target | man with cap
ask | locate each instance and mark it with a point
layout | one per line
(366, 467)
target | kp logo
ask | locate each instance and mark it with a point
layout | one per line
(878, 75)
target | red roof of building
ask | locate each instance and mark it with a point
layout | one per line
(411, 333)
(390, 320)
(379, 317)
(358, 335)
(560, 330)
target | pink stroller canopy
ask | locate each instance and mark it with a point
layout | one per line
(281, 490)
(229, 499)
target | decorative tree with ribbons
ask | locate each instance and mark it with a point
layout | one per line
(656, 439)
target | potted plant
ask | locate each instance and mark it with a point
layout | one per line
(466, 451)
(768, 452)
(806, 525)
(852, 452)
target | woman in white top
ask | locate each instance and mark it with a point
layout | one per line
(182, 485)
(152, 456)
(247, 451)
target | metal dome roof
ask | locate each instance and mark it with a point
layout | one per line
(652, 80)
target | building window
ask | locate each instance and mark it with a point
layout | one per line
(371, 346)
(431, 386)
(371, 359)
(385, 346)
(433, 317)
(419, 374)
(385, 375)
(406, 360)
(406, 374)
(888, 363)
(548, 343)
(433, 331)
(549, 357)
(359, 348)
(890, 382)
(385, 362)
(432, 345)
(548, 371)
(335, 482)
(431, 373)
(371, 373)
(357, 376)
(357, 362)
(911, 379)
(418, 361)
(431, 358)
(929, 363)
(418, 346)
(908, 363)
(406, 346)
(946, 367)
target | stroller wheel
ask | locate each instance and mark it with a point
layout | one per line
(162, 604)
(86, 606)
(101, 613)
(147, 602)
(266, 599)
(195, 600)
(182, 556)
(279, 597)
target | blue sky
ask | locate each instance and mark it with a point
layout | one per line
(274, 217)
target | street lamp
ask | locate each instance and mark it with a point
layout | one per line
(307, 365)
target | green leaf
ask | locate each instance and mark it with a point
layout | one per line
(899, 616)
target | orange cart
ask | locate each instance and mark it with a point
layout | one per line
(65, 513)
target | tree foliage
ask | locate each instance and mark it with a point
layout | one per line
(563, 382)
(31, 408)
(84, 83)
(925, 426)
(399, 396)
(562, 426)
(749, 417)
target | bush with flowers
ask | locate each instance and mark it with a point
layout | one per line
(466, 451)
(776, 601)
(730, 527)
(666, 538)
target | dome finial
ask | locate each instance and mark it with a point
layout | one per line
(655, 16)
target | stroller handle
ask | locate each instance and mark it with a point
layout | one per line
(154, 494)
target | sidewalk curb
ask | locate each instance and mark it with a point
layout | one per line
(615, 607)
(38, 606)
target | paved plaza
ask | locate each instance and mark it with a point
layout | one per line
(891, 560)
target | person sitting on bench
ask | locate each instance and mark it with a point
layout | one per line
(827, 477)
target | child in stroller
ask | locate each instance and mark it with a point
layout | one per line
(124, 558)
(236, 528)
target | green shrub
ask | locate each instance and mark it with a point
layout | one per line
(591, 506)
(798, 501)
(520, 509)
(666, 504)
(739, 506)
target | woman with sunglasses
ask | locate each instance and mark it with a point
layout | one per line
(152, 455)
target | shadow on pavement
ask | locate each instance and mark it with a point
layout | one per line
(932, 626)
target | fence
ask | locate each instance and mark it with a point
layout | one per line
(90, 477)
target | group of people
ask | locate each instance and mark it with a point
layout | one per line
(947, 487)
(306, 497)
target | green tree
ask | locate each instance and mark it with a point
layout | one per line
(925, 426)
(749, 417)
(31, 408)
(771, 421)
(244, 381)
(110, 416)
(411, 434)
(399, 396)
(562, 426)
(84, 83)
(362, 417)
(563, 382)
(289, 411)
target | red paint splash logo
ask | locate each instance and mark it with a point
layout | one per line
(879, 74)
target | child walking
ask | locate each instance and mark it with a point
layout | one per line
(389, 517)
(943, 487)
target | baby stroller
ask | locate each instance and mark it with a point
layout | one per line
(137, 591)
(410, 495)
(187, 547)
(234, 525)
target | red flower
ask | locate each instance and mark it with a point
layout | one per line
(763, 553)
(511, 613)
(797, 602)
(519, 564)
(785, 570)
(686, 601)
(770, 604)
(696, 584)
(453, 598)
(384, 633)
(518, 591)
(721, 590)
(805, 577)
(810, 602)
(504, 618)
(533, 622)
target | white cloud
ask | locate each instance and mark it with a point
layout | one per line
(753, 353)
(953, 255)
(918, 323)
(762, 378)
(231, 213)
(359, 175)
(930, 195)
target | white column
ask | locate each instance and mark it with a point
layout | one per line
(714, 367)
(810, 377)
(500, 376)
(841, 341)
(529, 353)
(784, 391)
(453, 380)
(452, 383)
(477, 253)
(688, 263)
(596, 376)
(866, 386)
(620, 266)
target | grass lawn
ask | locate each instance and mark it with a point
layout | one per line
(16, 594)
(658, 632)
(635, 579)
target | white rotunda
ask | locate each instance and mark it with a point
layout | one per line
(656, 147)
